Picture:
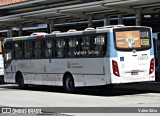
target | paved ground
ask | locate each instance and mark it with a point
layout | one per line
(135, 95)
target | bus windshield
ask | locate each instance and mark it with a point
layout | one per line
(127, 40)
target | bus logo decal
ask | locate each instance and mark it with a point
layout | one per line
(134, 51)
(121, 58)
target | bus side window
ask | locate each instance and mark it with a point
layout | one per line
(72, 47)
(85, 46)
(48, 48)
(99, 45)
(18, 46)
(28, 49)
(60, 48)
(37, 49)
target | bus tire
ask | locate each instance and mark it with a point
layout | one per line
(68, 84)
(20, 82)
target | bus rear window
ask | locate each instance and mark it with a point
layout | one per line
(139, 39)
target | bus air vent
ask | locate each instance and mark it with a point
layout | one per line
(72, 30)
(88, 29)
(56, 32)
(39, 33)
(119, 25)
(104, 27)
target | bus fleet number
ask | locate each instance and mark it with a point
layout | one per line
(143, 58)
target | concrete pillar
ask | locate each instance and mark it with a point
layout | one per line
(120, 19)
(138, 17)
(90, 18)
(20, 30)
(106, 21)
(9, 33)
(51, 26)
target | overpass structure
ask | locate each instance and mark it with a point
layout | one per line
(52, 12)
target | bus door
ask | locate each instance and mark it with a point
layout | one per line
(49, 78)
(34, 66)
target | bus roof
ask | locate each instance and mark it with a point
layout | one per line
(71, 32)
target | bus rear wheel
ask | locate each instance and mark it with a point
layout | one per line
(20, 82)
(68, 84)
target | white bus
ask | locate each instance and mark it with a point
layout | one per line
(92, 57)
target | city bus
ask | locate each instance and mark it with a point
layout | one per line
(92, 57)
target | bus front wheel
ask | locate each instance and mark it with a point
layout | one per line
(68, 84)
(20, 82)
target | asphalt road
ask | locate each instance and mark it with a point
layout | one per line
(121, 100)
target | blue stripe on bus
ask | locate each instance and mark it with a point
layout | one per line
(32, 37)
(152, 48)
(111, 52)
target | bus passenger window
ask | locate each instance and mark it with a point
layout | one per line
(37, 49)
(60, 48)
(85, 45)
(28, 49)
(99, 45)
(48, 48)
(72, 47)
(18, 50)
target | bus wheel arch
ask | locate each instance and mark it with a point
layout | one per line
(20, 80)
(68, 82)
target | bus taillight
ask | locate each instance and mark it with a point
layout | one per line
(151, 66)
(39, 36)
(115, 68)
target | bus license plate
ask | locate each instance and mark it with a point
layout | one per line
(134, 73)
